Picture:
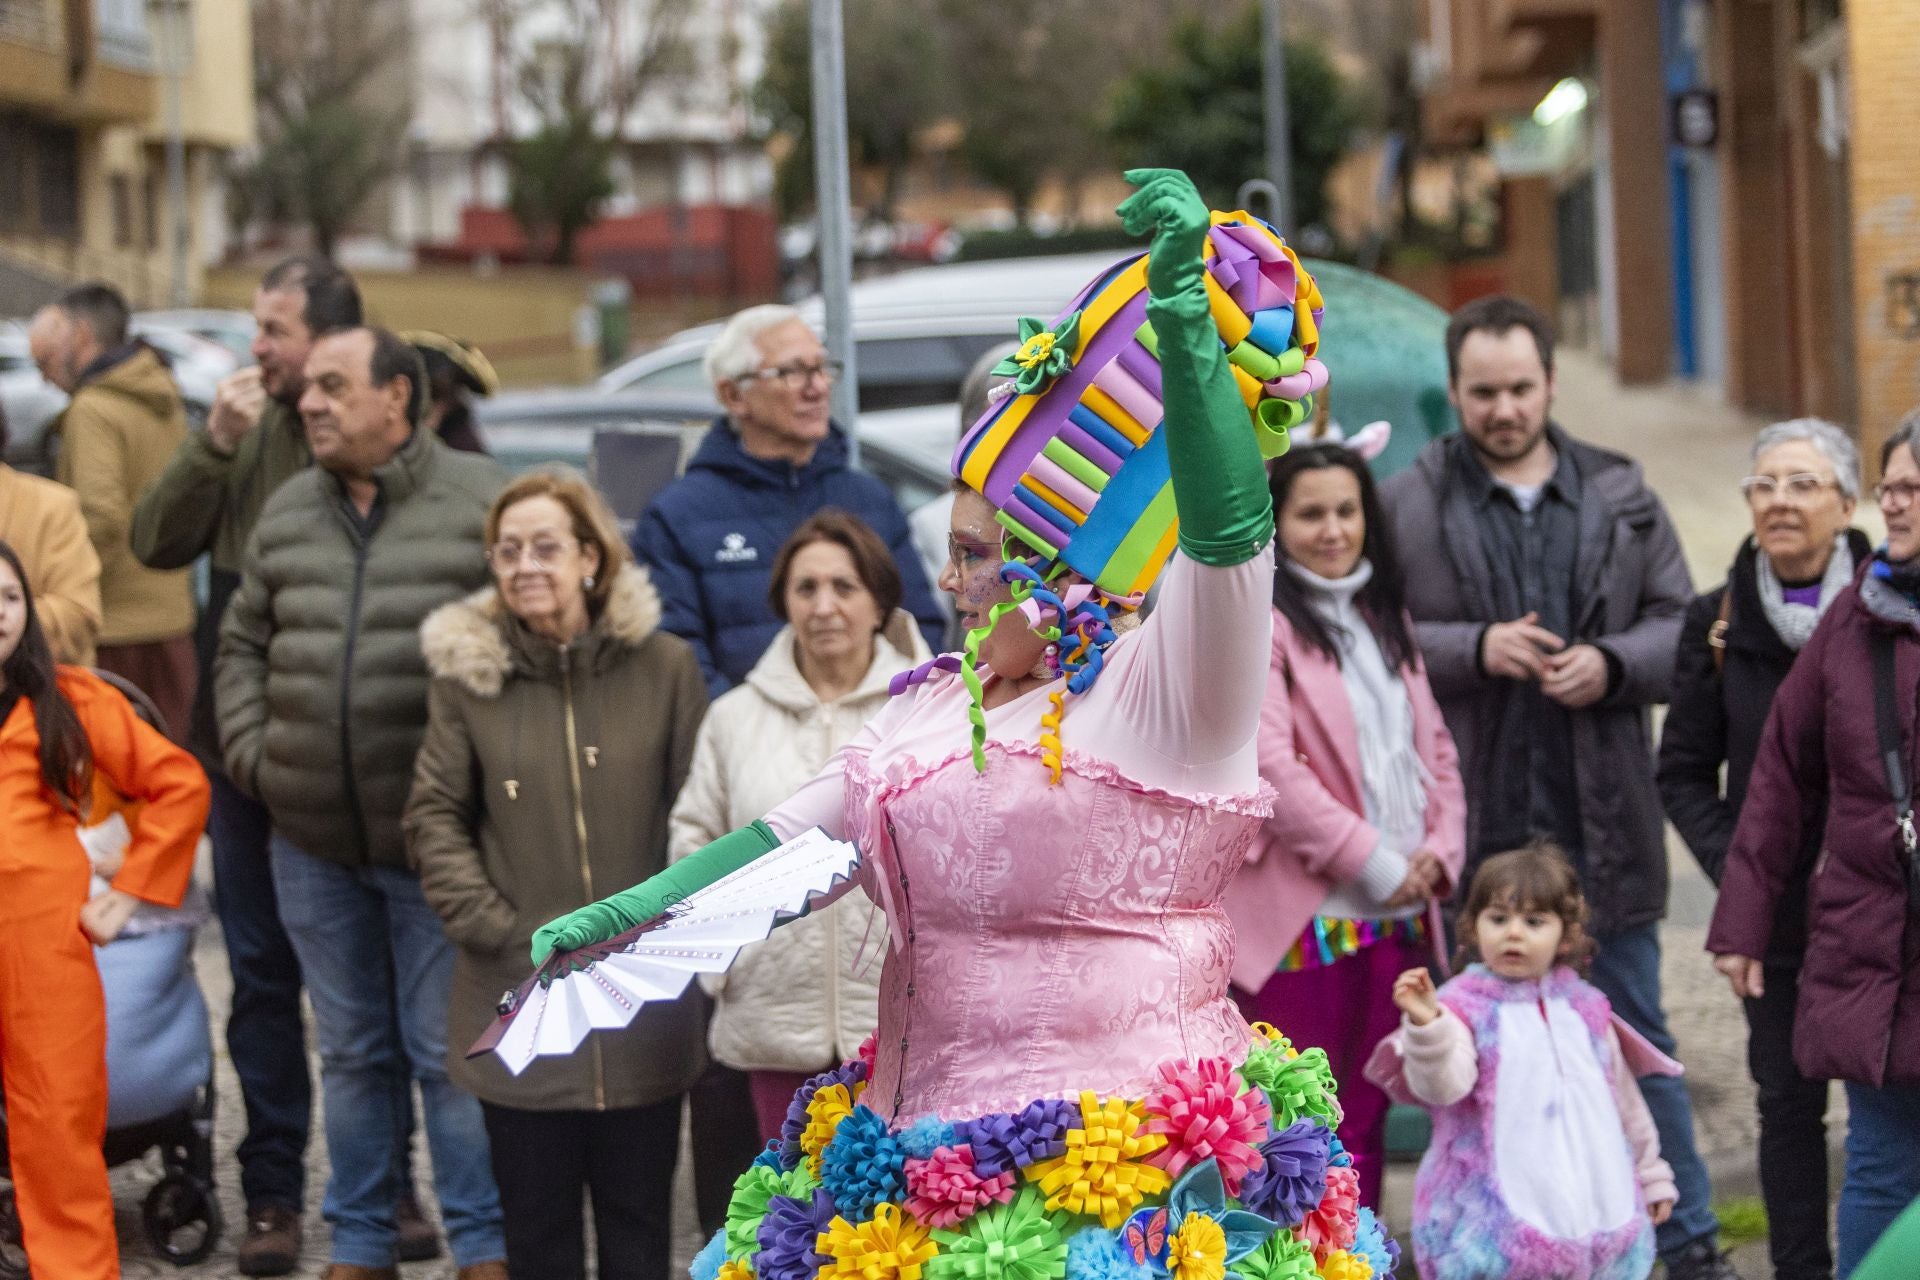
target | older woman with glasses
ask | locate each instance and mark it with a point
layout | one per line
(1820, 886)
(561, 726)
(1739, 641)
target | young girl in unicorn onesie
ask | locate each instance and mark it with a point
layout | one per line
(1544, 1163)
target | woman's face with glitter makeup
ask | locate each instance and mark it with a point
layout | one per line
(972, 578)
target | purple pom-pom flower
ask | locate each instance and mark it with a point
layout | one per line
(1291, 1178)
(787, 1235)
(1003, 1142)
(849, 1074)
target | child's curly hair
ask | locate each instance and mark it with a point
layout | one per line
(1535, 877)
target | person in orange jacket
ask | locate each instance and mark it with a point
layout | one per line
(57, 726)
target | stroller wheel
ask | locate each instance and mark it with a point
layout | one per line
(182, 1219)
(13, 1254)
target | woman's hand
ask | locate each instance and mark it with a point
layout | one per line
(105, 915)
(1424, 877)
(1660, 1211)
(1414, 996)
(1168, 205)
(1743, 975)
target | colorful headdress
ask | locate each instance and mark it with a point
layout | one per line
(1073, 460)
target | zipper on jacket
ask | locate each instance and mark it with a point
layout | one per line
(354, 810)
(580, 837)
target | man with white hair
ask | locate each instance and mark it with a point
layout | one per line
(771, 461)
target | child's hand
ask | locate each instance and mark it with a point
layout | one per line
(1660, 1211)
(1413, 995)
(104, 916)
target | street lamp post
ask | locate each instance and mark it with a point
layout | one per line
(170, 18)
(1279, 141)
(831, 186)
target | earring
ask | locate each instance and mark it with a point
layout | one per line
(587, 582)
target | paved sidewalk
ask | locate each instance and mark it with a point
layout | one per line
(1695, 452)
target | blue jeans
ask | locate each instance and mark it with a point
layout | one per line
(1627, 971)
(1883, 1166)
(368, 943)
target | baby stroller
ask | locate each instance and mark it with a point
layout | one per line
(159, 1057)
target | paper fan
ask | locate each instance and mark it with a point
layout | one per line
(603, 986)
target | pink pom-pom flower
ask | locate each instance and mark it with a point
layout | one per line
(1205, 1112)
(945, 1190)
(1335, 1224)
(868, 1048)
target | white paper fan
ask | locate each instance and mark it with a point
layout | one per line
(604, 986)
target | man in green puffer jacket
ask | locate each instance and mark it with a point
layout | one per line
(321, 698)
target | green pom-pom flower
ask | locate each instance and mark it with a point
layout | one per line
(1044, 354)
(1297, 1086)
(1018, 1240)
(751, 1192)
(1283, 1257)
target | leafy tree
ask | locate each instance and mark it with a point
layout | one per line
(1201, 110)
(557, 179)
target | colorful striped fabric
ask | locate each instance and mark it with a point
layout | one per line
(1077, 468)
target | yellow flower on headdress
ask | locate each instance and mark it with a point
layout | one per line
(1044, 354)
(1198, 1250)
(1103, 1173)
(732, 1269)
(827, 1108)
(1341, 1265)
(889, 1246)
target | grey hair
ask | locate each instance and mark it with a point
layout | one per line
(1908, 434)
(734, 352)
(1829, 439)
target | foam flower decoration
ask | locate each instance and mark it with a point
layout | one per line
(1296, 1084)
(1037, 1132)
(1283, 1257)
(1099, 1254)
(799, 1182)
(1205, 1113)
(863, 1165)
(1335, 1221)
(751, 1192)
(770, 1158)
(706, 1263)
(788, 1236)
(888, 1246)
(928, 1134)
(868, 1050)
(1198, 1250)
(1044, 354)
(1201, 1197)
(945, 1190)
(828, 1107)
(1103, 1172)
(1337, 1153)
(732, 1270)
(1372, 1242)
(1341, 1265)
(1291, 1178)
(1012, 1241)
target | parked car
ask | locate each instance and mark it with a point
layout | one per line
(198, 363)
(29, 401)
(233, 330)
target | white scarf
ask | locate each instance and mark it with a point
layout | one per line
(1794, 623)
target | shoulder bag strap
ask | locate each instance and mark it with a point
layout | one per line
(1717, 633)
(1886, 717)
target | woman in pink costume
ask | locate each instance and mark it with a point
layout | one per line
(1060, 1084)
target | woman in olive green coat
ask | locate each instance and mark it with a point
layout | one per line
(561, 725)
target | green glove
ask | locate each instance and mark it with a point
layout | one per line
(601, 920)
(1219, 478)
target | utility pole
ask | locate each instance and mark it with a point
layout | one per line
(835, 201)
(1279, 141)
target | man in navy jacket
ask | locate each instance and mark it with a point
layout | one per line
(767, 465)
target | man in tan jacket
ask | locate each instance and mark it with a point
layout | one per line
(41, 521)
(115, 437)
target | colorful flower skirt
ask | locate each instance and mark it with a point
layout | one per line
(1222, 1170)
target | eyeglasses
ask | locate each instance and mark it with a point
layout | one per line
(1896, 495)
(541, 553)
(1801, 486)
(796, 377)
(960, 550)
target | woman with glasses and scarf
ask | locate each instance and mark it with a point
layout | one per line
(1821, 816)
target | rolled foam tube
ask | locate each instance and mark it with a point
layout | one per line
(1091, 423)
(1050, 473)
(1129, 394)
(1262, 366)
(1272, 330)
(1101, 458)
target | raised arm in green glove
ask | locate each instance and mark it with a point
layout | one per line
(1219, 480)
(598, 921)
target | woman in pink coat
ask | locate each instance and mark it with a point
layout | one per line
(1340, 892)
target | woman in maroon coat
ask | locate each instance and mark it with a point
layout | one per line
(1858, 1018)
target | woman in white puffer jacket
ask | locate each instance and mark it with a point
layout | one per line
(803, 1000)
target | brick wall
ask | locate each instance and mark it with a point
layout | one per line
(1883, 49)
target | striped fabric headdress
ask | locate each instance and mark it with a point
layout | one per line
(1073, 460)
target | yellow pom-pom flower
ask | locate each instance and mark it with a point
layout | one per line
(1102, 1173)
(828, 1107)
(735, 1270)
(1341, 1265)
(888, 1246)
(1198, 1250)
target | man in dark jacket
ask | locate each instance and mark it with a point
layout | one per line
(772, 461)
(321, 694)
(1546, 585)
(1739, 642)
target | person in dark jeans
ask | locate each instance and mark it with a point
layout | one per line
(1547, 585)
(1739, 642)
(206, 503)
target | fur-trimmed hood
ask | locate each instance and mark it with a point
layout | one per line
(476, 642)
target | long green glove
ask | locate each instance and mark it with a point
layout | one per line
(598, 921)
(1219, 480)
